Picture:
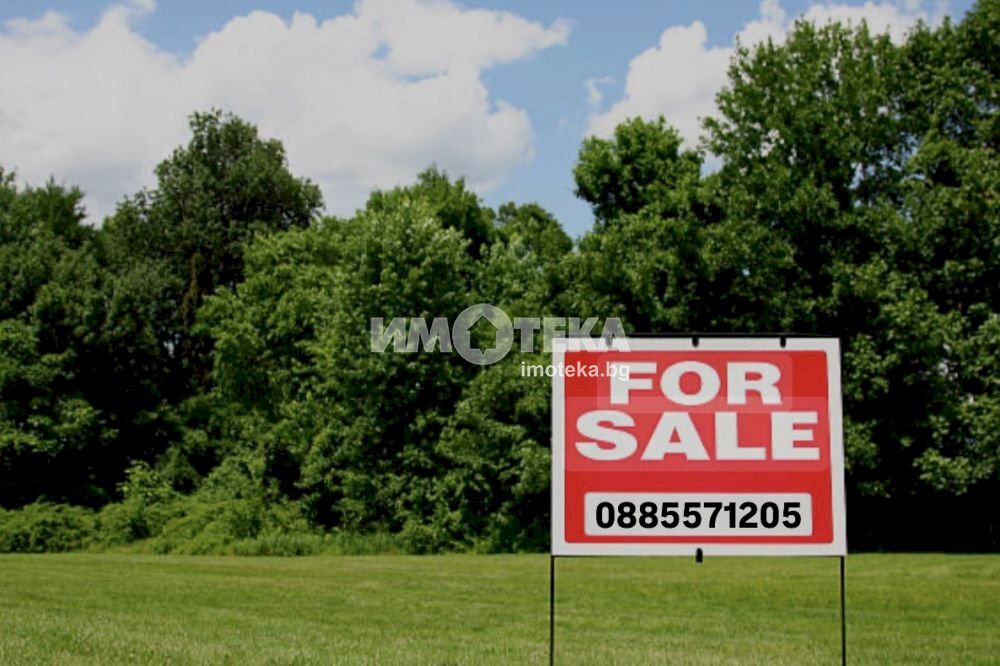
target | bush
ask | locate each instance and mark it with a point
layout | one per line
(230, 515)
(246, 526)
(421, 539)
(189, 526)
(45, 528)
(148, 504)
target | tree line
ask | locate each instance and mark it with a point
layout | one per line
(195, 374)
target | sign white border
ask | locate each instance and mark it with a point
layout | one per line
(831, 346)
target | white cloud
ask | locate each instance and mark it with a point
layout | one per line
(679, 77)
(880, 17)
(362, 100)
(593, 87)
(773, 23)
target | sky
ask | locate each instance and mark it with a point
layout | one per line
(366, 94)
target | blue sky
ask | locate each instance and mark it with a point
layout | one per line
(496, 91)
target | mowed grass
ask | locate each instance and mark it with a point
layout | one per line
(469, 609)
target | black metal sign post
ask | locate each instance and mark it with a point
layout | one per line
(552, 610)
(699, 558)
(843, 615)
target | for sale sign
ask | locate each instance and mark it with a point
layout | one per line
(731, 445)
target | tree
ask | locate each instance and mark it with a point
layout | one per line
(642, 165)
(521, 271)
(52, 436)
(851, 149)
(857, 197)
(454, 206)
(492, 491)
(293, 355)
(212, 197)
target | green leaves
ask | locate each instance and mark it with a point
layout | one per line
(643, 165)
(857, 197)
(213, 338)
(212, 197)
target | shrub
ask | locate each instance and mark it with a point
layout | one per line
(148, 504)
(44, 527)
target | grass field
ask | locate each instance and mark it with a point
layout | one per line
(134, 609)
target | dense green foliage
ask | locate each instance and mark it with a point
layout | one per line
(197, 374)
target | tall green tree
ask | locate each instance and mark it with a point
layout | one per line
(212, 196)
(293, 350)
(453, 205)
(856, 197)
(54, 438)
(642, 165)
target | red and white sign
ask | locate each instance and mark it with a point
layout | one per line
(733, 445)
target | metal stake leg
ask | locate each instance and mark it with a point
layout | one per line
(552, 609)
(843, 616)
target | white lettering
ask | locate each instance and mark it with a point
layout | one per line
(590, 425)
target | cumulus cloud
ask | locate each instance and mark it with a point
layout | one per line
(362, 100)
(895, 19)
(679, 77)
(593, 87)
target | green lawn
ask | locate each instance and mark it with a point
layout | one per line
(129, 609)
